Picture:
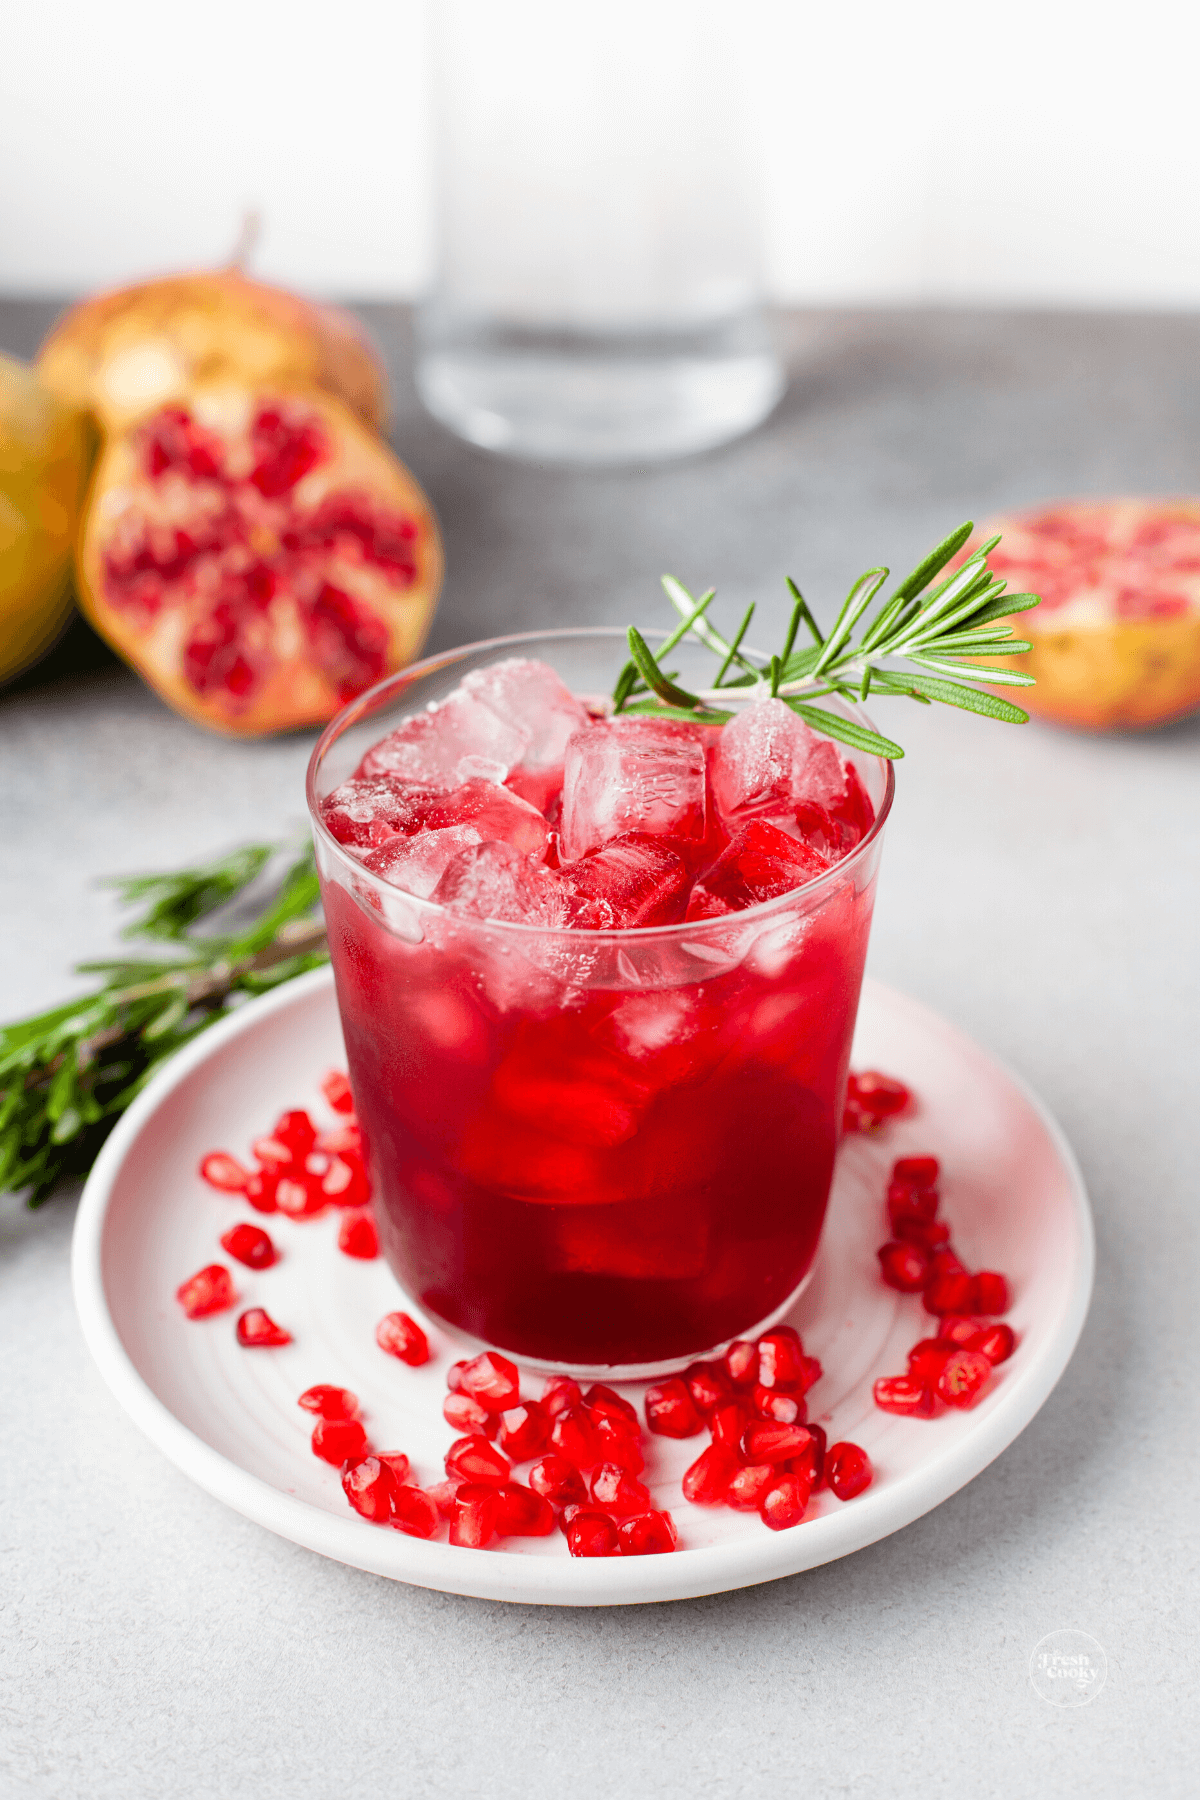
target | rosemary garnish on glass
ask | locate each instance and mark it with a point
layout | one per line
(938, 631)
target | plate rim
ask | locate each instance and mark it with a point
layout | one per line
(483, 1574)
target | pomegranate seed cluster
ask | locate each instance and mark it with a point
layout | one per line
(954, 1367)
(764, 1456)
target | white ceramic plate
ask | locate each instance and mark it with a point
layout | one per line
(228, 1416)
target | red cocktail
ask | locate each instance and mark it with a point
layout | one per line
(598, 982)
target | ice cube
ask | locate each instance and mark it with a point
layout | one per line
(825, 781)
(494, 881)
(760, 863)
(757, 762)
(363, 814)
(417, 863)
(493, 812)
(644, 880)
(632, 775)
(530, 695)
(449, 744)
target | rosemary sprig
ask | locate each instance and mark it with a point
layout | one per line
(67, 1074)
(937, 630)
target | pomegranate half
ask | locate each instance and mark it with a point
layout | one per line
(1116, 640)
(121, 354)
(258, 556)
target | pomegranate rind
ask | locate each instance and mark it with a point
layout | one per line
(1096, 670)
(290, 691)
(121, 354)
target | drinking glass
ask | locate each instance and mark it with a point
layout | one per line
(598, 295)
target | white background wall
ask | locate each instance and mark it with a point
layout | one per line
(1042, 152)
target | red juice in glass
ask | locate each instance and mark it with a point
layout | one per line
(598, 981)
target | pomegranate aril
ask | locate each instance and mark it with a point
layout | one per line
(957, 1329)
(617, 1492)
(616, 1444)
(648, 1534)
(573, 1435)
(401, 1336)
(989, 1293)
(343, 1140)
(473, 1519)
(592, 1534)
(904, 1395)
(904, 1202)
(272, 1154)
(358, 1237)
(765, 1441)
(337, 1440)
(962, 1380)
(491, 1379)
(905, 1267)
(466, 1415)
(522, 1513)
(784, 1502)
(474, 1459)
(930, 1234)
(454, 1377)
(397, 1462)
(329, 1402)
(671, 1411)
(414, 1511)
(336, 1089)
(224, 1172)
(707, 1383)
(728, 1422)
(947, 1262)
(602, 1402)
(524, 1430)
(249, 1244)
(344, 1182)
(297, 1131)
(916, 1171)
(927, 1359)
(871, 1098)
(746, 1490)
(558, 1481)
(810, 1373)
(785, 1409)
(260, 1191)
(443, 1495)
(810, 1464)
(848, 1470)
(209, 1290)
(780, 1359)
(996, 1342)
(949, 1293)
(559, 1393)
(369, 1486)
(257, 1330)
(298, 1199)
(706, 1482)
(741, 1363)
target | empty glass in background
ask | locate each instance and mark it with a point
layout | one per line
(598, 295)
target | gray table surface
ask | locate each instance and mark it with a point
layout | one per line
(1039, 889)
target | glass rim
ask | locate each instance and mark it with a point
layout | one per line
(373, 698)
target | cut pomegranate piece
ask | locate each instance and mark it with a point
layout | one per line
(927, 1359)
(592, 1533)
(397, 1462)
(745, 1492)
(329, 1402)
(209, 1290)
(617, 1492)
(964, 1376)
(224, 1172)
(706, 1482)
(603, 1402)
(475, 1516)
(728, 1423)
(559, 1393)
(905, 1267)
(648, 1534)
(784, 1503)
(358, 1237)
(474, 1459)
(402, 1337)
(707, 1383)
(848, 1470)
(671, 1411)
(558, 1481)
(491, 1379)
(765, 1441)
(524, 1430)
(468, 1416)
(996, 1342)
(741, 1363)
(989, 1294)
(337, 1091)
(257, 1330)
(249, 1244)
(785, 1409)
(338, 1440)
(414, 1511)
(574, 1436)
(522, 1512)
(370, 1487)
(259, 589)
(905, 1395)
